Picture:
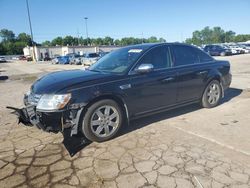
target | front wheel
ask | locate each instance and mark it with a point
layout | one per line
(102, 120)
(212, 95)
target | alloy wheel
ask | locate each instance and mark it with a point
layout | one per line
(104, 121)
(213, 93)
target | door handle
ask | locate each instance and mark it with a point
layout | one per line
(126, 86)
(169, 79)
(202, 73)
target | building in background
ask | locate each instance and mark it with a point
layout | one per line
(42, 52)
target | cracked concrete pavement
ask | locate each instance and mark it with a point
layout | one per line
(186, 147)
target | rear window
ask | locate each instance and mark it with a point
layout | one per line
(218, 47)
(203, 57)
(184, 55)
(207, 47)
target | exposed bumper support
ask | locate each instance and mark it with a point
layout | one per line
(22, 115)
(65, 122)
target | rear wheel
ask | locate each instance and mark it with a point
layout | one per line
(212, 95)
(223, 54)
(102, 120)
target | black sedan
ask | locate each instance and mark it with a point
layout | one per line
(125, 84)
(217, 50)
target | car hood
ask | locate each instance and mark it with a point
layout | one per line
(70, 79)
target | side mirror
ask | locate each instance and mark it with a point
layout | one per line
(144, 68)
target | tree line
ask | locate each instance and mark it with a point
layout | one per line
(12, 44)
(74, 41)
(215, 35)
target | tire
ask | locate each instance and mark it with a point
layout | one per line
(212, 94)
(100, 124)
(222, 54)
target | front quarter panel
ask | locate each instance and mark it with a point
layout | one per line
(84, 95)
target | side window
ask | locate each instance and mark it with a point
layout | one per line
(158, 57)
(184, 55)
(203, 57)
(209, 47)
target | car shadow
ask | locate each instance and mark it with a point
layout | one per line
(230, 93)
(147, 120)
(76, 143)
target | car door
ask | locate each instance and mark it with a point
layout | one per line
(153, 90)
(190, 73)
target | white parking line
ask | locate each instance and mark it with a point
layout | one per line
(212, 140)
(199, 183)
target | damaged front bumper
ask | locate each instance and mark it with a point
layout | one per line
(65, 121)
(47, 121)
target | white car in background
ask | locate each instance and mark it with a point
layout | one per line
(245, 48)
(75, 59)
(55, 60)
(237, 48)
(2, 59)
(234, 51)
(90, 58)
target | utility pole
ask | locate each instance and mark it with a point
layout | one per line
(142, 37)
(31, 32)
(86, 27)
(182, 37)
(78, 37)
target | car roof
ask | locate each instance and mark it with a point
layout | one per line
(150, 45)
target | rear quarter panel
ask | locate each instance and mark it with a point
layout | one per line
(219, 70)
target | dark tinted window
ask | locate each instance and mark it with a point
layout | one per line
(216, 47)
(203, 57)
(208, 47)
(184, 55)
(213, 47)
(93, 55)
(158, 57)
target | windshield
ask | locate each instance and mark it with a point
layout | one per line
(117, 61)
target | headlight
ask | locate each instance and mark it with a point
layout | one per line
(53, 102)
